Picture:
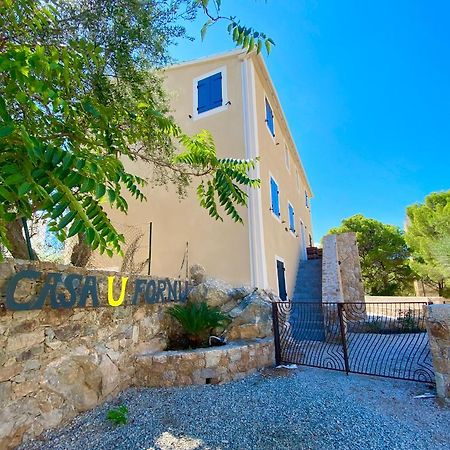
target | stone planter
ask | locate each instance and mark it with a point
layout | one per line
(203, 366)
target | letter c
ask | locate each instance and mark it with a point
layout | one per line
(11, 289)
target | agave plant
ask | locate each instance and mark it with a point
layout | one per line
(198, 321)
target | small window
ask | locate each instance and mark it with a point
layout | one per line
(286, 157)
(269, 118)
(291, 218)
(209, 93)
(274, 194)
(306, 200)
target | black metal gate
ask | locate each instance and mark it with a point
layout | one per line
(383, 339)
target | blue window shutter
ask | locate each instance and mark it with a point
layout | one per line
(274, 196)
(209, 93)
(203, 95)
(269, 118)
(291, 218)
(216, 90)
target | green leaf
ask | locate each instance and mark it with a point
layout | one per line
(66, 219)
(6, 130)
(100, 190)
(24, 188)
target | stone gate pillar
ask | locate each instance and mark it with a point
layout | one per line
(438, 328)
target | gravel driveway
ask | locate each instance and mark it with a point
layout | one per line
(277, 409)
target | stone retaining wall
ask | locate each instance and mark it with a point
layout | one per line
(56, 363)
(204, 366)
(438, 327)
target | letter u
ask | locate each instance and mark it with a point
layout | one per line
(111, 300)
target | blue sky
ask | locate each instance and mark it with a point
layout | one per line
(365, 87)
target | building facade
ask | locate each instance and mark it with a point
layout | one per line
(233, 97)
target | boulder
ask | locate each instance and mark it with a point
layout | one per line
(213, 292)
(218, 293)
(198, 274)
(252, 317)
(77, 379)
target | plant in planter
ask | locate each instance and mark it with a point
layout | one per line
(198, 321)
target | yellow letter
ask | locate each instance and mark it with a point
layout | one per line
(111, 300)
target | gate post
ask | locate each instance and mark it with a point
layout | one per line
(340, 308)
(276, 333)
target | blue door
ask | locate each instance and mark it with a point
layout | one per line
(281, 280)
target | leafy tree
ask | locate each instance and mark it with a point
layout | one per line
(244, 36)
(384, 255)
(428, 235)
(78, 96)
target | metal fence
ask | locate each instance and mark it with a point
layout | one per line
(383, 339)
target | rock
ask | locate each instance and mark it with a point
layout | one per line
(77, 379)
(213, 292)
(198, 274)
(24, 340)
(110, 375)
(252, 318)
(5, 393)
(152, 346)
(8, 372)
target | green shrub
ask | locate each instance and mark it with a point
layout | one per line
(119, 415)
(198, 321)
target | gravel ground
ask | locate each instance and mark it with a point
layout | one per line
(277, 409)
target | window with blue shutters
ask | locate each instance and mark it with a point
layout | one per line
(209, 93)
(275, 197)
(269, 118)
(291, 218)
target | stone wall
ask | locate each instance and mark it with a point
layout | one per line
(205, 365)
(341, 269)
(438, 327)
(56, 363)
(331, 278)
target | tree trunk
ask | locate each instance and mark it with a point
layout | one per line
(81, 252)
(16, 238)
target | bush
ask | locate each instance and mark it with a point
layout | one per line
(198, 321)
(119, 415)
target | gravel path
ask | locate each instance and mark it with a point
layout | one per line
(278, 409)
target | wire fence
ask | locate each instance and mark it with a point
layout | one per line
(137, 250)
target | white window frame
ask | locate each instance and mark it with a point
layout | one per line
(287, 157)
(270, 194)
(266, 98)
(195, 114)
(289, 222)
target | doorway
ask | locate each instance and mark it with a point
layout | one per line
(281, 276)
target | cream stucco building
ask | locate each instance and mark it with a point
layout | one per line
(233, 97)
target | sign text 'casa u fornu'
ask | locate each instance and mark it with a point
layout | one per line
(78, 291)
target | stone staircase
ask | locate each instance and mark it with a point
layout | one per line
(307, 318)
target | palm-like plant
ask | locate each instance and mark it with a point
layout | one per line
(198, 321)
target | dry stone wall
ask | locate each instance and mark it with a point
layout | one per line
(438, 327)
(205, 365)
(56, 363)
